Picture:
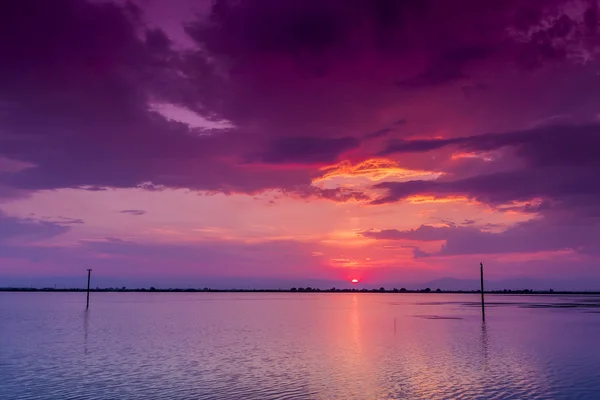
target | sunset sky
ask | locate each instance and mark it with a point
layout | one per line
(271, 143)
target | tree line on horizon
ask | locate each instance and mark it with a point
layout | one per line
(292, 290)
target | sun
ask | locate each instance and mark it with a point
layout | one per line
(354, 280)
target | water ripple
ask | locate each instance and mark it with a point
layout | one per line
(336, 346)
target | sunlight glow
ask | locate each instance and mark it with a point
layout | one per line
(345, 262)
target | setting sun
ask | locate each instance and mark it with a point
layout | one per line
(354, 280)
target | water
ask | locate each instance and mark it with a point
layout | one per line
(297, 346)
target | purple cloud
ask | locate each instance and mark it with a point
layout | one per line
(133, 212)
(449, 67)
(66, 220)
(545, 146)
(306, 150)
(422, 233)
(379, 133)
(526, 237)
(339, 195)
(14, 229)
(274, 70)
(501, 188)
(83, 121)
(559, 166)
(554, 179)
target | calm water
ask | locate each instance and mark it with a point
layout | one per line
(297, 346)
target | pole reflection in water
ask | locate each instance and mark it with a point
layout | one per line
(484, 344)
(86, 316)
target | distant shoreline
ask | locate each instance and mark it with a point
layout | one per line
(298, 290)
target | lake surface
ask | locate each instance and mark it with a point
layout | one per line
(262, 346)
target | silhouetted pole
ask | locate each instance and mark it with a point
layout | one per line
(482, 299)
(87, 303)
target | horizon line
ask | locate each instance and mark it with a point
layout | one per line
(153, 289)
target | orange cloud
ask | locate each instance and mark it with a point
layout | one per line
(432, 199)
(482, 156)
(374, 169)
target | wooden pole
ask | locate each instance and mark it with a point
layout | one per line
(87, 303)
(482, 298)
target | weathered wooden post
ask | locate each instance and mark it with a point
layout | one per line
(482, 298)
(87, 303)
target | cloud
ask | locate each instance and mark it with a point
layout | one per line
(370, 170)
(212, 258)
(338, 195)
(556, 164)
(501, 188)
(19, 230)
(449, 67)
(536, 235)
(85, 120)
(418, 146)
(379, 133)
(306, 150)
(68, 221)
(287, 77)
(550, 176)
(422, 233)
(133, 212)
(569, 145)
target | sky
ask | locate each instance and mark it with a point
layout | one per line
(269, 143)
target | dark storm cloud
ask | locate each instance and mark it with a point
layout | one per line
(331, 67)
(306, 150)
(77, 78)
(379, 133)
(568, 145)
(503, 187)
(76, 107)
(449, 67)
(560, 163)
(311, 27)
(418, 146)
